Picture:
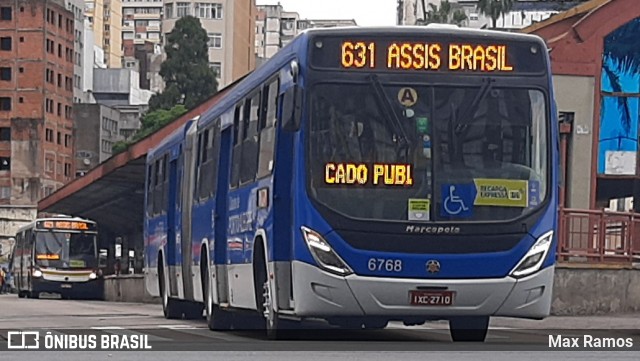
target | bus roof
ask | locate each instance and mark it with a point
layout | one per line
(53, 219)
(431, 29)
(170, 141)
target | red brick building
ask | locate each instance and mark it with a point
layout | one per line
(36, 99)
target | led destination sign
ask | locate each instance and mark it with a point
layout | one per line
(428, 54)
(67, 225)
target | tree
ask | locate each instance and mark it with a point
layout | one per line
(447, 13)
(186, 73)
(151, 122)
(495, 9)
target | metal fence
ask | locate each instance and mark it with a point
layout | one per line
(593, 236)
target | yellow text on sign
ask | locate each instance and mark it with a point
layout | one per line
(379, 174)
(392, 174)
(345, 173)
(501, 192)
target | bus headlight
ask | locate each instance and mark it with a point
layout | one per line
(324, 255)
(37, 273)
(93, 276)
(532, 261)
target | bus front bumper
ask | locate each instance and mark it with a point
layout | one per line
(88, 289)
(321, 294)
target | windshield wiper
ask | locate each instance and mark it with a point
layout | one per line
(387, 108)
(482, 93)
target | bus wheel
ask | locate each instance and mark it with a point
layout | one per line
(21, 294)
(272, 321)
(217, 319)
(469, 329)
(264, 294)
(170, 307)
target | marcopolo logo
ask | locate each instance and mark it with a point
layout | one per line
(432, 229)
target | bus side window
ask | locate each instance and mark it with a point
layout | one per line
(197, 181)
(249, 166)
(165, 185)
(158, 179)
(268, 129)
(150, 180)
(207, 171)
(237, 146)
(28, 249)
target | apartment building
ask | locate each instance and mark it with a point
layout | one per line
(105, 17)
(275, 28)
(523, 12)
(230, 25)
(36, 99)
(76, 7)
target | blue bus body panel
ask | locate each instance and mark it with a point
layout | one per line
(155, 231)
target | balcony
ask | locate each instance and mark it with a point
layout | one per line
(147, 16)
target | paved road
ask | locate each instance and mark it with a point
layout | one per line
(67, 317)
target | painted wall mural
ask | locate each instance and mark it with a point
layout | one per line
(620, 105)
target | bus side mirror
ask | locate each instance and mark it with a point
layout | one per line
(291, 109)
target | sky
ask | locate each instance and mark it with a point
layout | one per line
(365, 12)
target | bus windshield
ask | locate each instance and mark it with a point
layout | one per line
(423, 153)
(66, 250)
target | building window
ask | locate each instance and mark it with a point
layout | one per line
(5, 43)
(5, 163)
(217, 68)
(215, 41)
(5, 73)
(59, 114)
(5, 192)
(59, 80)
(209, 11)
(183, 9)
(48, 165)
(67, 140)
(48, 135)
(59, 50)
(21, 100)
(5, 104)
(59, 138)
(106, 146)
(67, 169)
(168, 11)
(5, 134)
(5, 13)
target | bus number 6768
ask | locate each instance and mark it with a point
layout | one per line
(381, 264)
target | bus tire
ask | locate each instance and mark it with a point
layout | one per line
(192, 310)
(21, 294)
(469, 329)
(264, 293)
(170, 307)
(217, 319)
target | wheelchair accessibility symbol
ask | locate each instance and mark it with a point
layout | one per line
(457, 200)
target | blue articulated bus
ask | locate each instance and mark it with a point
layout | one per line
(361, 176)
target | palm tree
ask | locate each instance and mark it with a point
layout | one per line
(620, 58)
(495, 8)
(447, 13)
